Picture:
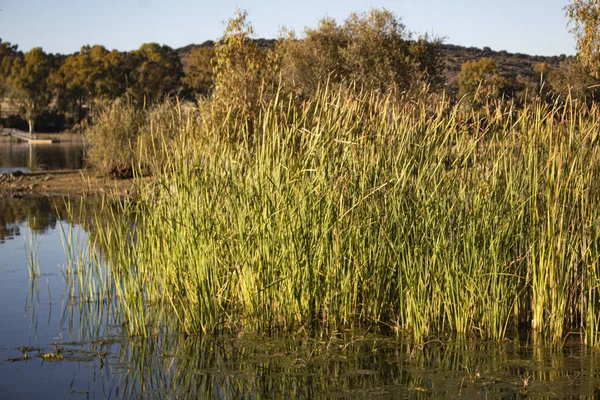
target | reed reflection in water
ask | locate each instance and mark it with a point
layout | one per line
(71, 343)
(349, 365)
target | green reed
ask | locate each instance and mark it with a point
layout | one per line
(89, 287)
(355, 209)
(32, 248)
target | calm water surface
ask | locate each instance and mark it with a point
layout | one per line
(45, 315)
(17, 155)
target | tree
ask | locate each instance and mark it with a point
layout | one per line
(154, 71)
(241, 68)
(74, 83)
(113, 81)
(314, 59)
(28, 83)
(479, 79)
(8, 53)
(573, 80)
(585, 15)
(94, 74)
(377, 49)
(373, 50)
(198, 69)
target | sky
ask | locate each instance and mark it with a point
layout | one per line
(536, 27)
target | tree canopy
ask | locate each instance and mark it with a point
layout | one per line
(8, 53)
(199, 76)
(373, 50)
(479, 78)
(92, 75)
(240, 66)
(153, 72)
(585, 16)
(28, 80)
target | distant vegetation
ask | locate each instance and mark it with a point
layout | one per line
(372, 50)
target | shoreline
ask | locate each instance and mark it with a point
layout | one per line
(77, 182)
(64, 137)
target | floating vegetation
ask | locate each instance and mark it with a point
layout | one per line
(52, 356)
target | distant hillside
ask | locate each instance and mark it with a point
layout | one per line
(517, 64)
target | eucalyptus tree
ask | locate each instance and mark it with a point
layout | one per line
(94, 74)
(8, 52)
(154, 71)
(198, 69)
(29, 84)
(585, 17)
(241, 68)
(479, 79)
(307, 62)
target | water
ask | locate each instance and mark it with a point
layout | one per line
(16, 155)
(91, 358)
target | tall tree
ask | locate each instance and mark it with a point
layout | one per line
(198, 70)
(111, 83)
(585, 15)
(29, 86)
(92, 75)
(240, 67)
(376, 55)
(154, 71)
(8, 53)
(307, 62)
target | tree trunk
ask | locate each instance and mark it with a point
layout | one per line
(30, 122)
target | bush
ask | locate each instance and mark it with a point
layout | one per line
(373, 50)
(125, 138)
(241, 69)
(113, 139)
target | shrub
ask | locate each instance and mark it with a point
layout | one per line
(374, 50)
(240, 68)
(113, 139)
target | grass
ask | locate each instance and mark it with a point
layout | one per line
(32, 248)
(354, 209)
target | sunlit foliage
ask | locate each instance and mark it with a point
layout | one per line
(28, 80)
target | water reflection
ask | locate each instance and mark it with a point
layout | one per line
(349, 366)
(20, 155)
(61, 336)
(39, 214)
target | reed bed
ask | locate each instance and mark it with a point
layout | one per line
(355, 209)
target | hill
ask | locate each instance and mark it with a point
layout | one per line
(516, 64)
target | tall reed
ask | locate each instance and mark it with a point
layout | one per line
(357, 209)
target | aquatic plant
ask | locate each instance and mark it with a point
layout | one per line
(32, 247)
(357, 209)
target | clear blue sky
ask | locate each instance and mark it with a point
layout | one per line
(63, 26)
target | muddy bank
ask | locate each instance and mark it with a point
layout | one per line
(61, 182)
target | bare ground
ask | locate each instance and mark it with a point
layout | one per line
(62, 182)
